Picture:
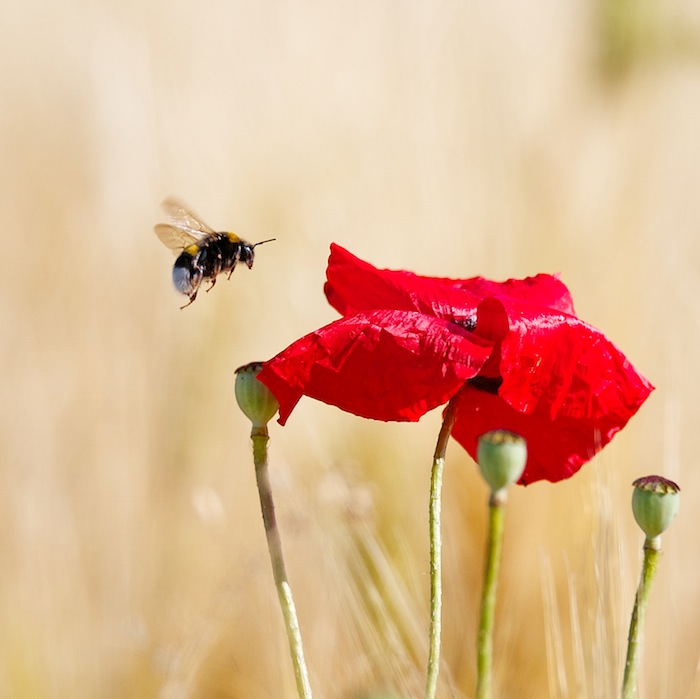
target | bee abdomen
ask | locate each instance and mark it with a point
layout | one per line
(186, 276)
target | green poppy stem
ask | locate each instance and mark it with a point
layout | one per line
(436, 548)
(652, 548)
(260, 438)
(484, 650)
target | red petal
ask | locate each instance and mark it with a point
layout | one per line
(545, 290)
(354, 285)
(557, 448)
(555, 365)
(386, 365)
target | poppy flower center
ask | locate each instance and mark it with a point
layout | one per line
(468, 323)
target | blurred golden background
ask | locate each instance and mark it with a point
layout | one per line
(450, 138)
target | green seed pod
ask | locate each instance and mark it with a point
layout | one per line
(254, 398)
(501, 456)
(655, 502)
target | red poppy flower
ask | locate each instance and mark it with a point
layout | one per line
(520, 357)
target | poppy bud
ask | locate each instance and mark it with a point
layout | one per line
(254, 398)
(501, 456)
(655, 502)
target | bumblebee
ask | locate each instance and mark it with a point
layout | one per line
(203, 253)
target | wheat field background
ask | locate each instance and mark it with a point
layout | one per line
(451, 138)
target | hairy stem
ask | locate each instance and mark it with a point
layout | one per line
(652, 548)
(436, 548)
(260, 438)
(484, 646)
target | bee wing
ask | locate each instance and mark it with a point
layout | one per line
(182, 217)
(175, 237)
(184, 228)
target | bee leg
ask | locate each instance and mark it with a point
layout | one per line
(230, 272)
(193, 296)
(211, 284)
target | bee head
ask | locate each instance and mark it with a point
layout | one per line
(247, 253)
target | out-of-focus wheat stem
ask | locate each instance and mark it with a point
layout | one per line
(436, 548)
(652, 547)
(260, 438)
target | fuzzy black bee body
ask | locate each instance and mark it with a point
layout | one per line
(204, 253)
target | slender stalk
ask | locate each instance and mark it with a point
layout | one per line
(260, 438)
(484, 650)
(652, 547)
(436, 547)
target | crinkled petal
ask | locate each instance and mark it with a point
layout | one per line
(354, 285)
(555, 366)
(385, 365)
(556, 448)
(544, 290)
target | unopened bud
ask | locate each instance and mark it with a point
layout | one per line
(501, 456)
(655, 502)
(254, 398)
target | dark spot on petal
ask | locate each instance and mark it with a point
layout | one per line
(486, 384)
